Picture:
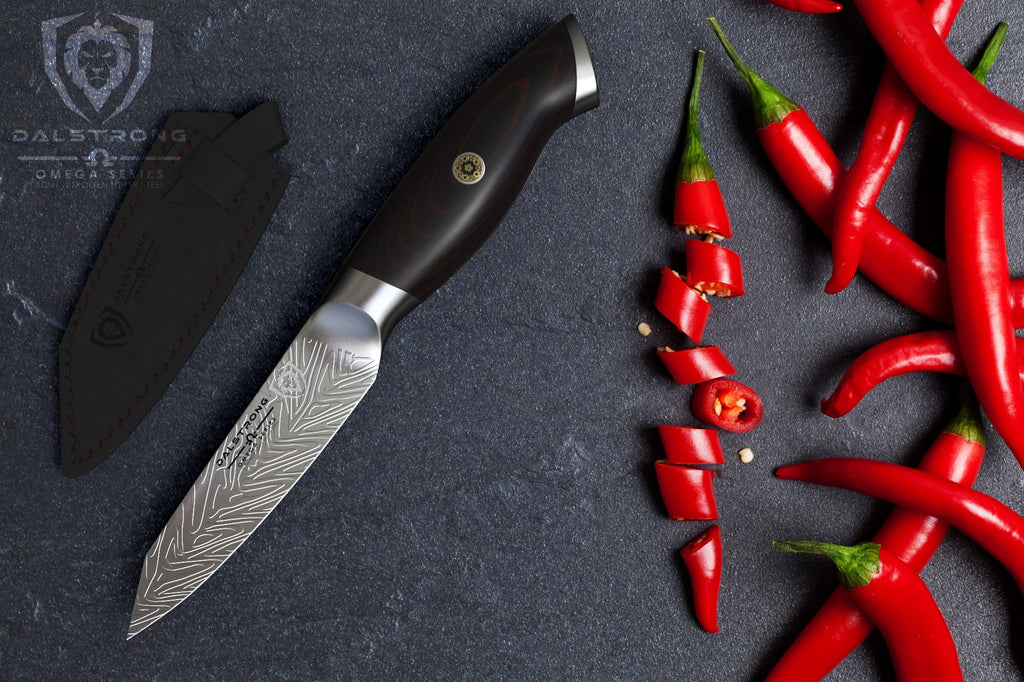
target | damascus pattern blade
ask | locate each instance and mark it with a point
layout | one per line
(313, 389)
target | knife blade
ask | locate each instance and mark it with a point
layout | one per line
(452, 198)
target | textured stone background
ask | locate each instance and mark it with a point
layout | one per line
(490, 510)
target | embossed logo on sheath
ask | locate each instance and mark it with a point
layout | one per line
(288, 381)
(468, 168)
(111, 329)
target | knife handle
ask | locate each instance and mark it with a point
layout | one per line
(464, 182)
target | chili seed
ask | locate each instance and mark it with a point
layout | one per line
(746, 455)
(644, 329)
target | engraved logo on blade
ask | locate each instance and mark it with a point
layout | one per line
(288, 381)
(468, 168)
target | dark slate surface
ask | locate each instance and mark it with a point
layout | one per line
(490, 510)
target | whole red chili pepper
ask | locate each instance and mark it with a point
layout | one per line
(840, 626)
(892, 112)
(699, 207)
(898, 602)
(995, 527)
(808, 6)
(942, 84)
(979, 276)
(702, 557)
(929, 351)
(812, 172)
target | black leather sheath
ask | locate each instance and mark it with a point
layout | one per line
(184, 232)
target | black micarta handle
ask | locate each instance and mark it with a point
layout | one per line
(434, 221)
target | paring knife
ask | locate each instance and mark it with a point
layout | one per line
(445, 207)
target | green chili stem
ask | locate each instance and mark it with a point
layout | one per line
(770, 105)
(988, 57)
(694, 165)
(857, 565)
(967, 423)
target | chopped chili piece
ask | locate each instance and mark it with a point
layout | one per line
(699, 207)
(702, 557)
(684, 306)
(898, 602)
(694, 365)
(728, 405)
(938, 79)
(686, 491)
(689, 445)
(812, 172)
(997, 528)
(808, 6)
(840, 626)
(713, 269)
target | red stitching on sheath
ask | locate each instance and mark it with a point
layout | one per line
(195, 319)
(239, 195)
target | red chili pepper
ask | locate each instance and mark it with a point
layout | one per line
(687, 492)
(713, 269)
(702, 557)
(688, 445)
(812, 172)
(840, 626)
(684, 306)
(997, 528)
(728, 405)
(808, 6)
(699, 207)
(929, 351)
(979, 276)
(892, 112)
(938, 79)
(898, 602)
(694, 365)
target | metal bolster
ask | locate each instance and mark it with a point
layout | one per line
(386, 304)
(586, 80)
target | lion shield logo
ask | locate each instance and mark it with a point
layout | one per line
(97, 68)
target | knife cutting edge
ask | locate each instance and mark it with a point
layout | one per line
(450, 201)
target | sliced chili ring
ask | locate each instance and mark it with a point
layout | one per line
(702, 557)
(700, 209)
(728, 405)
(684, 306)
(713, 269)
(690, 445)
(686, 491)
(694, 365)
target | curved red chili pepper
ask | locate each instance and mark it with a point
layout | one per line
(898, 602)
(713, 269)
(683, 305)
(702, 557)
(694, 365)
(728, 405)
(689, 445)
(892, 112)
(812, 172)
(687, 492)
(929, 351)
(808, 6)
(995, 527)
(840, 626)
(938, 79)
(979, 276)
(699, 207)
